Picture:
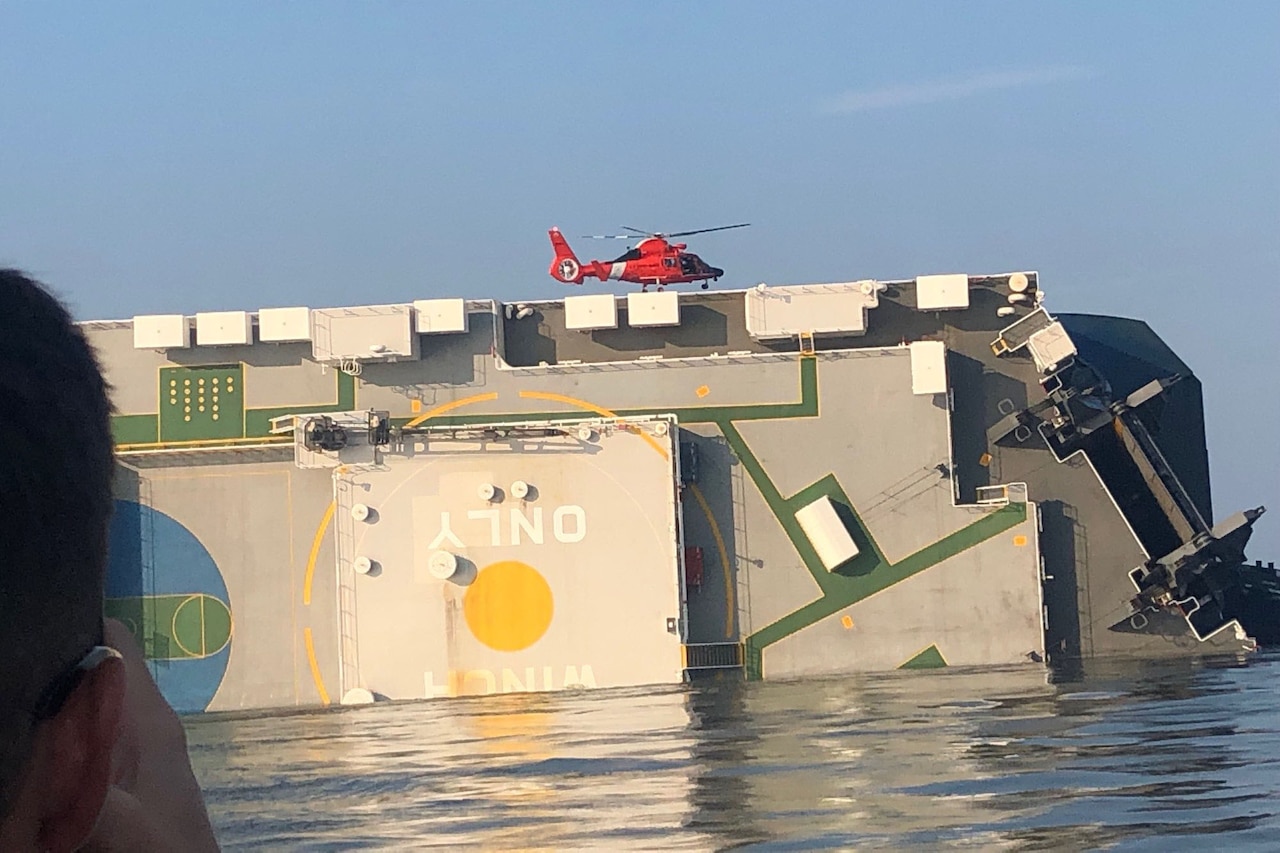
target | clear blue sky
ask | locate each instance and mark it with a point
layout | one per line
(175, 156)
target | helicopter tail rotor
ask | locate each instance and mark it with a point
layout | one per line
(565, 267)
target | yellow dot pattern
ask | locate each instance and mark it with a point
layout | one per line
(201, 403)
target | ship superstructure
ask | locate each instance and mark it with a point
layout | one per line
(455, 497)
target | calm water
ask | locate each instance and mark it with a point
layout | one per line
(1168, 756)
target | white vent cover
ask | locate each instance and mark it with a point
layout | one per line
(278, 325)
(442, 565)
(1051, 347)
(942, 292)
(440, 316)
(224, 328)
(827, 533)
(653, 309)
(161, 331)
(596, 311)
(928, 367)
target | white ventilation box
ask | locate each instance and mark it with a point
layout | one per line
(224, 328)
(440, 316)
(365, 333)
(818, 309)
(827, 533)
(1051, 347)
(161, 331)
(596, 311)
(278, 325)
(928, 367)
(942, 292)
(653, 309)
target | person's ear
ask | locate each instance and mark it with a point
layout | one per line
(75, 756)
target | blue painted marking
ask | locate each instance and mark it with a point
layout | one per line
(151, 553)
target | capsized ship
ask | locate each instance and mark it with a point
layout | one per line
(458, 497)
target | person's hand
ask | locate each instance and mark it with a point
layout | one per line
(154, 802)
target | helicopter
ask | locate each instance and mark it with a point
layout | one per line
(654, 260)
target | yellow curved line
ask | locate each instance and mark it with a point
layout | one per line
(590, 407)
(315, 667)
(724, 558)
(449, 407)
(315, 552)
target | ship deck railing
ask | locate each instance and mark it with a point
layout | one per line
(1002, 495)
(704, 656)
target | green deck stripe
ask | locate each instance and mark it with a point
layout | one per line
(174, 627)
(805, 407)
(135, 429)
(854, 589)
(930, 658)
(257, 422)
(866, 574)
(142, 429)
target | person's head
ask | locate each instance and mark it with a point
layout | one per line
(57, 721)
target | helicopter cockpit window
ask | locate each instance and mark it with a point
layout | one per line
(688, 265)
(629, 255)
(668, 262)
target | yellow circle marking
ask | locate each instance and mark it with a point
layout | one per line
(508, 606)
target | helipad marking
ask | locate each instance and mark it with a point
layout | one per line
(315, 551)
(508, 606)
(315, 667)
(449, 407)
(729, 597)
(590, 407)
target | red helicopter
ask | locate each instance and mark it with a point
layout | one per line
(653, 260)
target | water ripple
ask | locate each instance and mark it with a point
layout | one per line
(1152, 756)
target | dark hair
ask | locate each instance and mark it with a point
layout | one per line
(55, 505)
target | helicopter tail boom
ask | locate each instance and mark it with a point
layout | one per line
(565, 267)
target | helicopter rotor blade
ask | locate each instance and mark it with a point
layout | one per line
(608, 236)
(707, 230)
(638, 231)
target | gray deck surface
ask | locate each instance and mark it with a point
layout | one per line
(962, 584)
